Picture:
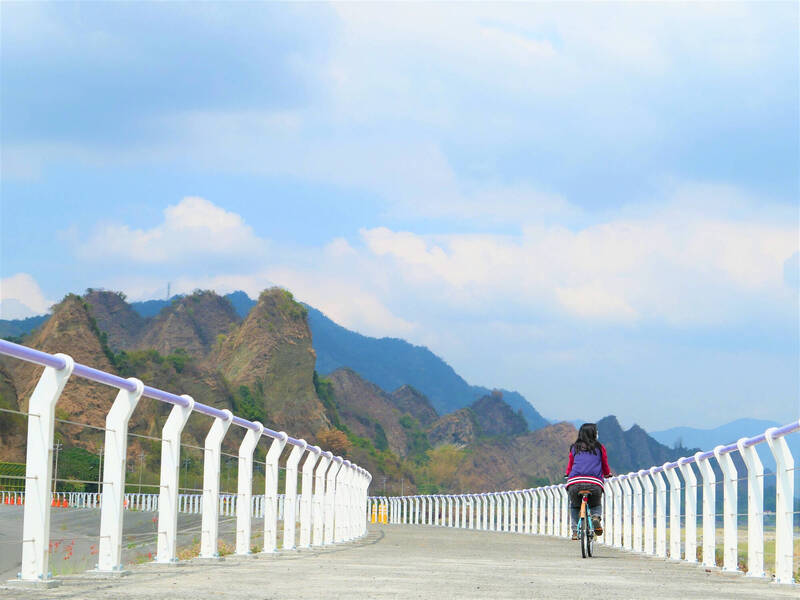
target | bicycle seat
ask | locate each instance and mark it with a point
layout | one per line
(585, 492)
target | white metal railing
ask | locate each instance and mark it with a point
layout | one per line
(339, 487)
(642, 511)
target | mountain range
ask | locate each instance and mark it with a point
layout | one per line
(397, 409)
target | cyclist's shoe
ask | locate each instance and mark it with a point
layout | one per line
(574, 535)
(597, 525)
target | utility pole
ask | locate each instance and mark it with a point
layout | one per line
(57, 448)
(384, 485)
(141, 464)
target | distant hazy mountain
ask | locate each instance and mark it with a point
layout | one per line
(390, 363)
(19, 327)
(706, 439)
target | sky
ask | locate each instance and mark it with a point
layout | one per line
(593, 204)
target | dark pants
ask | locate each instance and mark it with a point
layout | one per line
(595, 501)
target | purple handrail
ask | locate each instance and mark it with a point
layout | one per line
(56, 362)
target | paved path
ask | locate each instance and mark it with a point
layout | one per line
(424, 562)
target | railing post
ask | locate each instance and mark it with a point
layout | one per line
(517, 524)
(709, 508)
(729, 509)
(244, 490)
(271, 493)
(367, 481)
(755, 509)
(627, 516)
(616, 487)
(450, 500)
(168, 496)
(492, 512)
(290, 496)
(647, 498)
(330, 498)
(319, 498)
(541, 496)
(340, 501)
(525, 511)
(527, 500)
(661, 512)
(565, 532)
(674, 512)
(115, 456)
(690, 510)
(516, 512)
(784, 497)
(39, 471)
(552, 510)
(608, 512)
(506, 509)
(636, 484)
(306, 498)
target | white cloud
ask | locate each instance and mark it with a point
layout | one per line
(21, 297)
(349, 302)
(193, 229)
(668, 266)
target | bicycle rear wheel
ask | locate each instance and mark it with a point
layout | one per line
(584, 535)
(590, 544)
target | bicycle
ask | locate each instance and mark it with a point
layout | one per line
(586, 533)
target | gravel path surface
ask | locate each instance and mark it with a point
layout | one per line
(423, 562)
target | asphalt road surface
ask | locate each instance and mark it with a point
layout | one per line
(423, 562)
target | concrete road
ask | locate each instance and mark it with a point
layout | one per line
(424, 562)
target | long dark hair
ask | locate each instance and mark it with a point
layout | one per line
(587, 439)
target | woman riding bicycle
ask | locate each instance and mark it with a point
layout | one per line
(587, 467)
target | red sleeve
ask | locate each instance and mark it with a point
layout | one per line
(603, 461)
(571, 459)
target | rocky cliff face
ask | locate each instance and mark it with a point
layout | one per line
(367, 411)
(271, 356)
(458, 428)
(413, 402)
(72, 329)
(123, 325)
(496, 418)
(488, 416)
(196, 324)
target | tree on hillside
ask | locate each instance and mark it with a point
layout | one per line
(334, 440)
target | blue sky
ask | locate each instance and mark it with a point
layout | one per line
(594, 204)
